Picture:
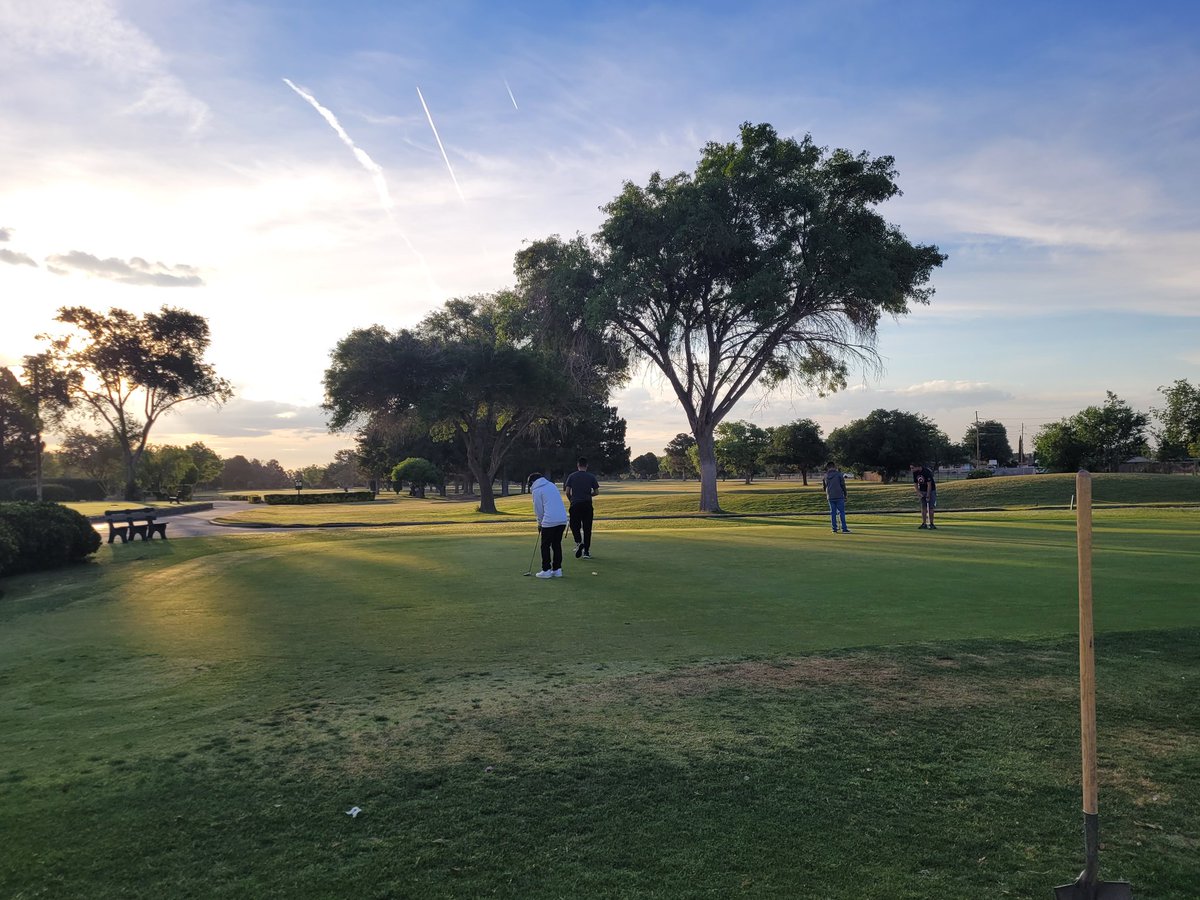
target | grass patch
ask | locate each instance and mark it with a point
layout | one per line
(728, 708)
(666, 498)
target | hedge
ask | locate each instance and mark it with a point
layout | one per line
(84, 488)
(10, 547)
(54, 493)
(302, 499)
(45, 535)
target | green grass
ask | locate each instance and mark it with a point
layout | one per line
(673, 498)
(728, 708)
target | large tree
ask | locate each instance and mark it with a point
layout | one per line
(740, 447)
(461, 371)
(796, 447)
(886, 441)
(675, 458)
(1179, 436)
(46, 396)
(18, 428)
(645, 466)
(988, 440)
(1098, 438)
(129, 370)
(768, 264)
(590, 428)
(95, 455)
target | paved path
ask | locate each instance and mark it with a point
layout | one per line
(200, 523)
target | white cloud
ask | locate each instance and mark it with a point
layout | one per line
(92, 33)
(16, 259)
(131, 271)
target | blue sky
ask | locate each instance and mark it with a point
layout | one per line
(153, 153)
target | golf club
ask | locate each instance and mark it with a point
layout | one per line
(533, 555)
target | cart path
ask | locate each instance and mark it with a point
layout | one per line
(198, 522)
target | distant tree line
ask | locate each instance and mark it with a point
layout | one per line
(885, 442)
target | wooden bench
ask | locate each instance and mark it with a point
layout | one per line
(128, 524)
(169, 498)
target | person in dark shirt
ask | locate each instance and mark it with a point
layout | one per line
(581, 486)
(926, 491)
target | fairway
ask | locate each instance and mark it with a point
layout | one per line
(725, 708)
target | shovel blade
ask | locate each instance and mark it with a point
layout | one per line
(1100, 890)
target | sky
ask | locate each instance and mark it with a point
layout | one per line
(293, 171)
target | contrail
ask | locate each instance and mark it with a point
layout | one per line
(440, 147)
(371, 166)
(511, 97)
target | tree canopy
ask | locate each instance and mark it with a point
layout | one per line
(1098, 438)
(676, 459)
(420, 472)
(18, 428)
(128, 370)
(796, 447)
(740, 447)
(645, 466)
(461, 371)
(887, 442)
(769, 263)
(992, 443)
(1179, 435)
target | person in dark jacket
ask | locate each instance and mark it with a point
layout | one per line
(835, 492)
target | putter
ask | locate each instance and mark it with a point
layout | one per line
(533, 555)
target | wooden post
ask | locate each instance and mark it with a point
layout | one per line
(1087, 670)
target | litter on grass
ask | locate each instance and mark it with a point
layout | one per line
(353, 812)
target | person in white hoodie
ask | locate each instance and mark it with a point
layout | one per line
(551, 515)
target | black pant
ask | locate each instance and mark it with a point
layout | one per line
(581, 524)
(552, 546)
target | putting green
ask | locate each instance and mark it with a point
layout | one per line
(206, 709)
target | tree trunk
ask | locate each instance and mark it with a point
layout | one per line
(487, 499)
(41, 446)
(708, 470)
(804, 476)
(131, 491)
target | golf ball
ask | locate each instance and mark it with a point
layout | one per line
(595, 573)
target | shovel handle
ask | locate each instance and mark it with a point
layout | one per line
(1087, 653)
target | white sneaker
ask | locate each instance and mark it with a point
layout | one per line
(557, 573)
(544, 574)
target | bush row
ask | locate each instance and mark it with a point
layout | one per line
(26, 489)
(301, 499)
(36, 536)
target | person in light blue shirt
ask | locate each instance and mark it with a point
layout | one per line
(551, 515)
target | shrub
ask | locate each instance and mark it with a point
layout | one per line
(47, 535)
(53, 493)
(84, 488)
(980, 473)
(303, 499)
(10, 548)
